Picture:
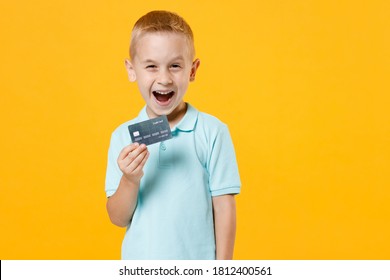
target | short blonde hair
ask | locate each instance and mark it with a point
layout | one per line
(161, 21)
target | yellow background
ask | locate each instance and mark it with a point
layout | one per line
(303, 86)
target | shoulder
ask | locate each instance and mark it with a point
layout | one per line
(122, 127)
(210, 125)
(121, 132)
(210, 132)
(209, 121)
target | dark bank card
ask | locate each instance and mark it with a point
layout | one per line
(150, 131)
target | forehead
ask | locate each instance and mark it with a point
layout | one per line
(162, 45)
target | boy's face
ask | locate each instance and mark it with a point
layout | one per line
(163, 68)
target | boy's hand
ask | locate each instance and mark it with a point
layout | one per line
(131, 161)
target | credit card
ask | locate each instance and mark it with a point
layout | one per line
(150, 131)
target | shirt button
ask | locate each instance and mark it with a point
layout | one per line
(162, 146)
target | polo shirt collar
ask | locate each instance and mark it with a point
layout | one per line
(187, 123)
(189, 120)
(143, 115)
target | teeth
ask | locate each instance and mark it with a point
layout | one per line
(163, 92)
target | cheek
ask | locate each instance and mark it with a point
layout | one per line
(185, 80)
(184, 77)
(143, 86)
(145, 80)
(183, 88)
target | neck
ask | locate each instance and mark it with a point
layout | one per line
(175, 117)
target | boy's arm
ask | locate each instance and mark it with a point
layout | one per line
(224, 208)
(121, 205)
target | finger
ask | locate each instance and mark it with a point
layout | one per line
(128, 149)
(138, 171)
(135, 153)
(126, 156)
(142, 164)
(133, 165)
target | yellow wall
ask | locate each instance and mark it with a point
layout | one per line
(303, 86)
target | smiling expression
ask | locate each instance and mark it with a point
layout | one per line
(163, 68)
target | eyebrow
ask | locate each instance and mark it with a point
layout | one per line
(148, 60)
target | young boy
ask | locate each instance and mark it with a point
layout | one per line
(176, 198)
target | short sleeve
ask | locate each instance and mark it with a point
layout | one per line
(113, 173)
(222, 165)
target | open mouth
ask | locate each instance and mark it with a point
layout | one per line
(163, 97)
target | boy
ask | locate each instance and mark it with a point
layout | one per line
(176, 198)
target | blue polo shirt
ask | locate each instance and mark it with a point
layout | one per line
(174, 216)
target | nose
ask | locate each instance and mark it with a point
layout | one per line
(164, 78)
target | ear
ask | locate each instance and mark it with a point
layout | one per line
(130, 71)
(194, 68)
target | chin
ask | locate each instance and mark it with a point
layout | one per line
(160, 112)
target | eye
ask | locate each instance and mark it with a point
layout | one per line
(151, 66)
(176, 66)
